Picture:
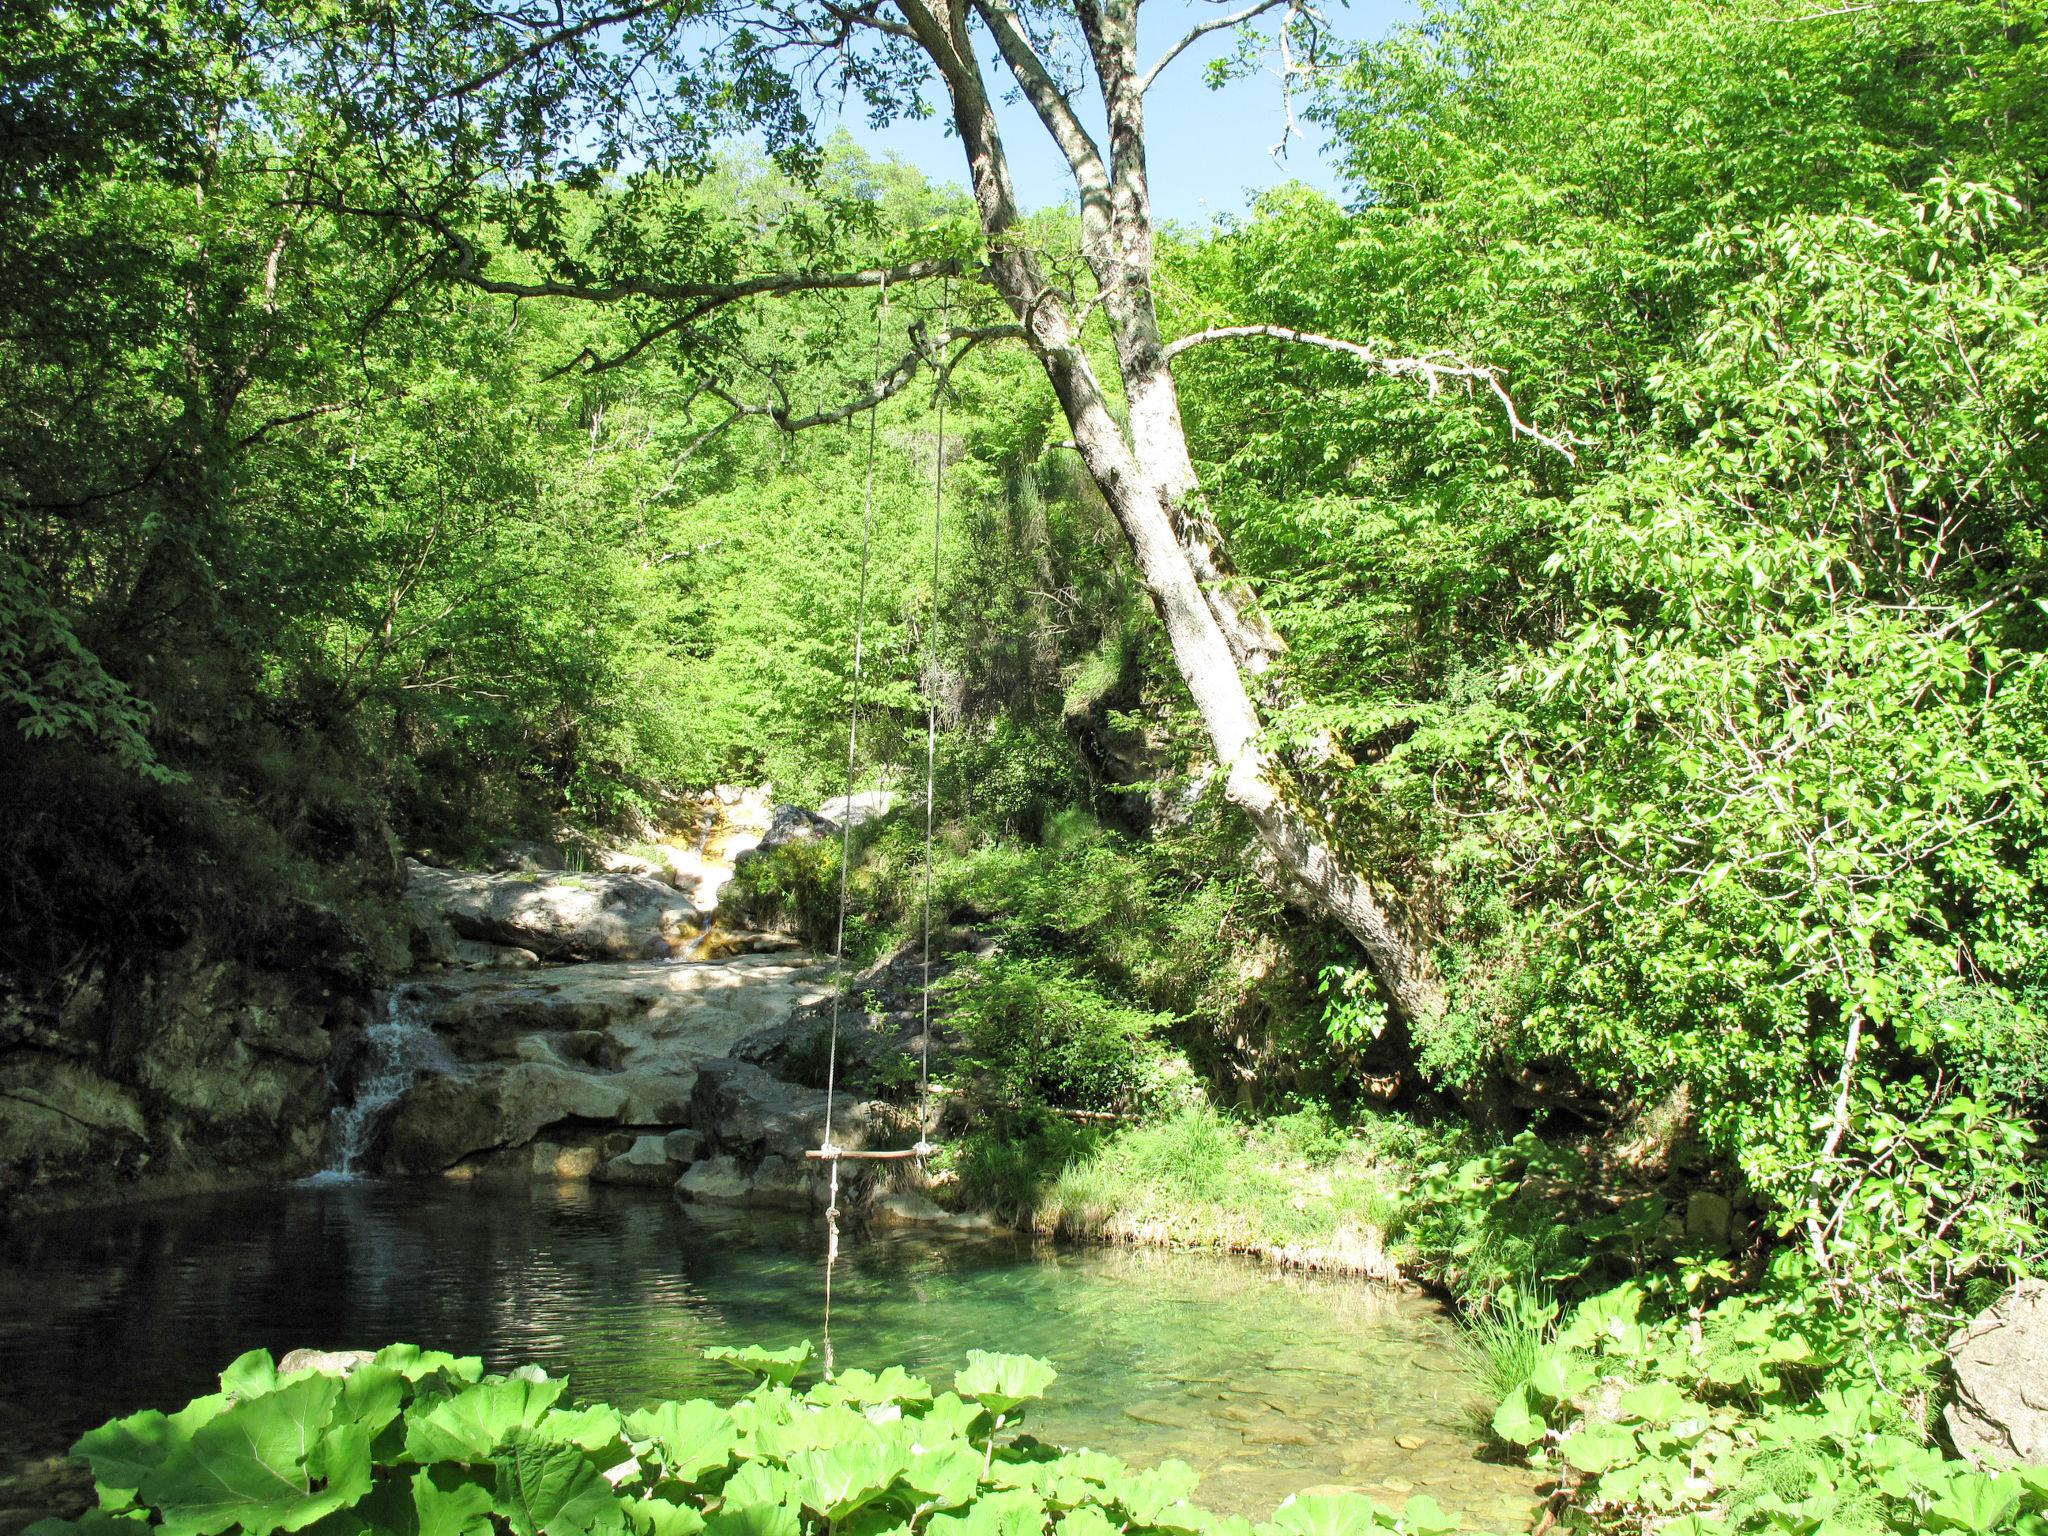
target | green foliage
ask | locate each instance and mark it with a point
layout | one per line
(1043, 1033)
(1775, 1412)
(419, 1444)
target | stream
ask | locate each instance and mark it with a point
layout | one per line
(1267, 1383)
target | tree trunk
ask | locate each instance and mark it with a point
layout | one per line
(1145, 473)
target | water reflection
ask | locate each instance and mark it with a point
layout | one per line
(1267, 1383)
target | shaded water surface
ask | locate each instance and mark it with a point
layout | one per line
(1267, 1383)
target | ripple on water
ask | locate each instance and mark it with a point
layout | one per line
(1266, 1382)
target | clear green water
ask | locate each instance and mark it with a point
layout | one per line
(1267, 1383)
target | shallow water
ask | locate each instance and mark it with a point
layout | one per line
(1267, 1383)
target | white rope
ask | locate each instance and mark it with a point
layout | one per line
(931, 742)
(860, 619)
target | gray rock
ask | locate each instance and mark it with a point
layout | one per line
(645, 1162)
(683, 1147)
(555, 916)
(522, 856)
(860, 809)
(788, 824)
(329, 1362)
(717, 1180)
(445, 1119)
(473, 955)
(1709, 1218)
(2000, 1365)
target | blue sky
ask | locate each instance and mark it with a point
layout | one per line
(1207, 149)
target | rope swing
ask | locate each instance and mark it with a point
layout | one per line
(830, 1153)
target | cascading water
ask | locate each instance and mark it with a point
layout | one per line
(395, 1054)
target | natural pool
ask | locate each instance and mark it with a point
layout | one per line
(1267, 1383)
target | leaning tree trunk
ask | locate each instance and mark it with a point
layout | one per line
(1145, 472)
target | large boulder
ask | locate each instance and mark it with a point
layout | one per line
(2000, 1363)
(857, 810)
(787, 824)
(445, 1119)
(610, 1049)
(598, 916)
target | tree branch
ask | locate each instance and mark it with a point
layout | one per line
(1432, 368)
(1082, 154)
(1202, 30)
(547, 41)
(923, 349)
(710, 295)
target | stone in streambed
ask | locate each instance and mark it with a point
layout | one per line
(556, 916)
(646, 1163)
(717, 1180)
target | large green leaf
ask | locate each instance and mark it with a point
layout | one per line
(658, 1517)
(1518, 1420)
(122, 1452)
(1324, 1514)
(1000, 1382)
(588, 1429)
(433, 1502)
(1423, 1516)
(834, 1481)
(250, 1375)
(416, 1364)
(781, 1366)
(1010, 1512)
(758, 1500)
(1975, 1502)
(690, 1439)
(1560, 1374)
(477, 1420)
(549, 1490)
(1597, 1447)
(258, 1465)
(372, 1395)
(947, 1476)
(862, 1389)
(1149, 1496)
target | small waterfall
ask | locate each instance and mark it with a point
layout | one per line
(395, 1053)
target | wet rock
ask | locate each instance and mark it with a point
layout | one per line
(2000, 1364)
(609, 1048)
(555, 916)
(683, 1147)
(477, 956)
(646, 1162)
(553, 1161)
(716, 1179)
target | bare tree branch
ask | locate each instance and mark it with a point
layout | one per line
(1083, 155)
(711, 295)
(1196, 33)
(1432, 368)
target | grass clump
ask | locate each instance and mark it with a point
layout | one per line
(1296, 1189)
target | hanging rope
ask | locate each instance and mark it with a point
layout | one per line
(931, 738)
(830, 1152)
(860, 620)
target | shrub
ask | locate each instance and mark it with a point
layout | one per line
(1041, 1032)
